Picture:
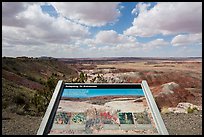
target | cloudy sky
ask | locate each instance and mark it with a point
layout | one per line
(102, 29)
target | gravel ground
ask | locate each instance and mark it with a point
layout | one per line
(177, 124)
(183, 124)
(13, 124)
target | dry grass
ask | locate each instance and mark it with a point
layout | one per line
(165, 110)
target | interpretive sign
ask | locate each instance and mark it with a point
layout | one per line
(81, 108)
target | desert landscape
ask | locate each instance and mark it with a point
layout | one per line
(171, 80)
(101, 42)
(176, 84)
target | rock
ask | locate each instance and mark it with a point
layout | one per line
(182, 107)
(177, 110)
(170, 85)
(186, 105)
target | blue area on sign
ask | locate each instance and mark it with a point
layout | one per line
(84, 93)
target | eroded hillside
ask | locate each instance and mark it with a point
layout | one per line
(25, 82)
(160, 75)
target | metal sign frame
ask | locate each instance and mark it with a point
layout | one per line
(47, 121)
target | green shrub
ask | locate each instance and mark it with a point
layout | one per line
(190, 110)
(82, 77)
(195, 109)
(51, 83)
(41, 99)
(19, 99)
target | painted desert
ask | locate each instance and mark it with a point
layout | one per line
(176, 84)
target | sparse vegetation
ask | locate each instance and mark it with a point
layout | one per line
(165, 110)
(28, 83)
(24, 101)
(41, 99)
(16, 98)
(191, 110)
(82, 77)
(93, 80)
(101, 79)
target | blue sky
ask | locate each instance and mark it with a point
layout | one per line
(105, 29)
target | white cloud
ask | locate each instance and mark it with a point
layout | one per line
(53, 50)
(131, 49)
(107, 37)
(25, 28)
(51, 29)
(89, 13)
(110, 38)
(157, 43)
(10, 12)
(141, 8)
(166, 18)
(109, 43)
(188, 39)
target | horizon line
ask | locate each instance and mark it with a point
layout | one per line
(102, 57)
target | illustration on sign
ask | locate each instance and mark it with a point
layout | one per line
(99, 113)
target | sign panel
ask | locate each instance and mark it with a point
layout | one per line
(102, 109)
